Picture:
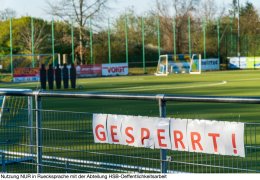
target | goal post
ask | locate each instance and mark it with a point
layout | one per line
(181, 63)
(195, 65)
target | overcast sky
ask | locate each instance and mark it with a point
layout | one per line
(36, 7)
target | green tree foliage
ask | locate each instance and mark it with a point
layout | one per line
(130, 24)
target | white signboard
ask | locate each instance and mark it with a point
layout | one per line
(237, 62)
(115, 69)
(209, 64)
(211, 137)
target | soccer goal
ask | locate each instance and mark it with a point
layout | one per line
(181, 63)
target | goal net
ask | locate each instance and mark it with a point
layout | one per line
(181, 63)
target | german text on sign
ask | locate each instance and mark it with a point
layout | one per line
(212, 137)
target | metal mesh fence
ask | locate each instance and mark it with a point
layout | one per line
(67, 146)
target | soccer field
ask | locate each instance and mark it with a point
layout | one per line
(221, 83)
(69, 134)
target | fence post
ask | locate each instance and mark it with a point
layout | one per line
(174, 39)
(204, 38)
(189, 33)
(11, 48)
(158, 37)
(126, 39)
(3, 163)
(32, 41)
(72, 43)
(53, 43)
(91, 41)
(143, 44)
(30, 124)
(38, 132)
(109, 42)
(162, 110)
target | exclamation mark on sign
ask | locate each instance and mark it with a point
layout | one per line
(234, 143)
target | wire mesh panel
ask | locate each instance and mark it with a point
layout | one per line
(63, 142)
(68, 146)
(17, 136)
(206, 163)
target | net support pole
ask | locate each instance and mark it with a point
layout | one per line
(204, 38)
(91, 41)
(231, 36)
(189, 36)
(72, 44)
(109, 42)
(143, 44)
(52, 42)
(32, 39)
(126, 39)
(11, 48)
(218, 31)
(158, 37)
(174, 39)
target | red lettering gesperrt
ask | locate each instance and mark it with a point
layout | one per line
(101, 136)
(195, 139)
(160, 137)
(130, 135)
(214, 140)
(178, 139)
(113, 133)
(234, 143)
(145, 134)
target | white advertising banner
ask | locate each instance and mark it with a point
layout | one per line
(210, 64)
(115, 69)
(237, 62)
(211, 137)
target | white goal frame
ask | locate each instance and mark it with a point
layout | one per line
(166, 66)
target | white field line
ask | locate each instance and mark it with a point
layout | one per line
(238, 80)
(163, 87)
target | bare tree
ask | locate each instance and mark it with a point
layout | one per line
(7, 13)
(78, 11)
(40, 35)
(177, 10)
(210, 10)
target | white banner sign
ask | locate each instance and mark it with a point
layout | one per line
(209, 64)
(115, 69)
(237, 62)
(212, 137)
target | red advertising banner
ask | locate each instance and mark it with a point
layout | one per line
(26, 72)
(89, 70)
